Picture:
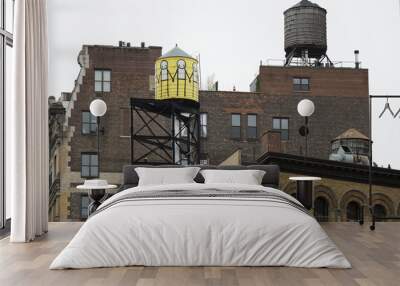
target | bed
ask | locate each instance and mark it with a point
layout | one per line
(199, 224)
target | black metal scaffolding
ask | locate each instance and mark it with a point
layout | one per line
(164, 132)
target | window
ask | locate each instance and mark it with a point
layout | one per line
(354, 211)
(251, 126)
(84, 206)
(6, 43)
(89, 165)
(204, 159)
(89, 123)
(235, 129)
(282, 125)
(301, 84)
(203, 125)
(380, 211)
(102, 80)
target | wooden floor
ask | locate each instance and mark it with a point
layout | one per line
(375, 257)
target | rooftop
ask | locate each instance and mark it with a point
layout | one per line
(352, 134)
(176, 52)
(305, 3)
(331, 169)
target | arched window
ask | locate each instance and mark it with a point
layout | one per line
(380, 210)
(321, 209)
(354, 211)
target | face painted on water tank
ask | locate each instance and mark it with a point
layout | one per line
(164, 65)
(181, 69)
(195, 73)
(164, 70)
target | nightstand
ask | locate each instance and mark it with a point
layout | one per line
(96, 192)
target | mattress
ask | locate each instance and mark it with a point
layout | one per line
(201, 225)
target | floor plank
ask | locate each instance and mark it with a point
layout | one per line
(375, 257)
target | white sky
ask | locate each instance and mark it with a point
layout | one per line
(232, 37)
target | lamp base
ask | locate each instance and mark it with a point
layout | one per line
(305, 193)
(96, 197)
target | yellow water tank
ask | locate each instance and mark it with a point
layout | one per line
(177, 76)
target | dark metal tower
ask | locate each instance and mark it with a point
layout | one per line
(164, 132)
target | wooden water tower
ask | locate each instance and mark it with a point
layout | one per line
(173, 132)
(305, 34)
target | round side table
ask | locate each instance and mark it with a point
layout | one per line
(305, 190)
(96, 191)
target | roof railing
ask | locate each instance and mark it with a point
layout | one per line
(301, 63)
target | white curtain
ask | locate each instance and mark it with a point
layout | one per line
(27, 123)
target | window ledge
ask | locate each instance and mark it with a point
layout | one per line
(301, 91)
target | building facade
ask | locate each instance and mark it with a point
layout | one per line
(274, 107)
(231, 120)
(343, 192)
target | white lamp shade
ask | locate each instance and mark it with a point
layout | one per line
(306, 108)
(98, 107)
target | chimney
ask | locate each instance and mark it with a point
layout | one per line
(142, 45)
(357, 58)
(271, 142)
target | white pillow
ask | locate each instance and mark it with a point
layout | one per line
(166, 176)
(247, 177)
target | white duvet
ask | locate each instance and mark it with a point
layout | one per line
(200, 232)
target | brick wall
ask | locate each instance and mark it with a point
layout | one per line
(131, 69)
(342, 82)
(333, 115)
(340, 96)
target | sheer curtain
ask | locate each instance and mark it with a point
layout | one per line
(27, 123)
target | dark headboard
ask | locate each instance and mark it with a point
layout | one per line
(271, 177)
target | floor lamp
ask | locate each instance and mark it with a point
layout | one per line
(97, 194)
(370, 169)
(306, 108)
(98, 108)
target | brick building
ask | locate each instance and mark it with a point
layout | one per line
(343, 192)
(246, 124)
(340, 96)
(234, 120)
